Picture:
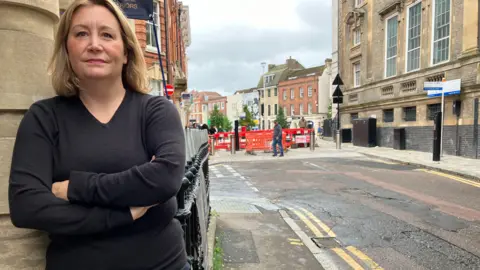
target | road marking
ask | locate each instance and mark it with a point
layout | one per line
(242, 177)
(384, 161)
(322, 256)
(219, 175)
(248, 183)
(367, 260)
(316, 166)
(319, 222)
(307, 222)
(456, 178)
(255, 189)
(339, 251)
(295, 242)
(236, 174)
(347, 258)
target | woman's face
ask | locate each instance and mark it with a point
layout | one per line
(95, 46)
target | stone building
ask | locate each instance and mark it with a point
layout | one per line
(269, 90)
(389, 48)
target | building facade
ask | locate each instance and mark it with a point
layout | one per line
(203, 104)
(299, 94)
(237, 101)
(389, 49)
(168, 21)
(335, 64)
(269, 90)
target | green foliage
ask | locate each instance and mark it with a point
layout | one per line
(218, 254)
(281, 118)
(329, 114)
(226, 124)
(216, 117)
(248, 120)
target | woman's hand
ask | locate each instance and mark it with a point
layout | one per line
(138, 212)
(60, 189)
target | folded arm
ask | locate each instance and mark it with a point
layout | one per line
(32, 203)
(147, 184)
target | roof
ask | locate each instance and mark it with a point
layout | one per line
(306, 72)
(278, 73)
(249, 90)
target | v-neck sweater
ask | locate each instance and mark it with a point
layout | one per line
(110, 170)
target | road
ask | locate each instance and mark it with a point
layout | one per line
(365, 213)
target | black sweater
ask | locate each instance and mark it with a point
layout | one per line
(109, 169)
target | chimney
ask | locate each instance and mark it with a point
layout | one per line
(292, 63)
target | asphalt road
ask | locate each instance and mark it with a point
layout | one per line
(377, 214)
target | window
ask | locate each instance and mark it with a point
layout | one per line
(292, 110)
(356, 74)
(275, 109)
(410, 114)
(269, 112)
(359, 2)
(391, 47)
(301, 109)
(356, 36)
(432, 110)
(285, 110)
(414, 27)
(388, 116)
(151, 42)
(353, 116)
(301, 92)
(156, 87)
(284, 94)
(275, 92)
(292, 93)
(441, 31)
(223, 105)
(310, 91)
(309, 108)
(268, 92)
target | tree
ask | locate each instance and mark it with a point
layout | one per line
(329, 114)
(226, 124)
(248, 120)
(216, 117)
(281, 118)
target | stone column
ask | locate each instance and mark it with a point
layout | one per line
(26, 43)
(471, 31)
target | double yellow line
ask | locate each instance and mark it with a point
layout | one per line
(309, 219)
(453, 177)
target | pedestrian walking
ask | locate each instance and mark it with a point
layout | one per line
(82, 167)
(302, 123)
(277, 139)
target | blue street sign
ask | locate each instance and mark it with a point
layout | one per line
(450, 88)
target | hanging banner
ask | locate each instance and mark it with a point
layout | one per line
(136, 9)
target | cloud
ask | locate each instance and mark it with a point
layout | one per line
(229, 43)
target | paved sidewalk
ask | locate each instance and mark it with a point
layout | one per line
(462, 166)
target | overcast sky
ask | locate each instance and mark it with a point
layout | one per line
(230, 38)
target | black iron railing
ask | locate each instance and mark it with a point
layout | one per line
(194, 200)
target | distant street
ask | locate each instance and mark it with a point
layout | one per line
(365, 213)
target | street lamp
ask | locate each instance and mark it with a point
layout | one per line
(263, 91)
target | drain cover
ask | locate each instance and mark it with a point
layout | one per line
(326, 242)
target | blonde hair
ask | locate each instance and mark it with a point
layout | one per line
(64, 80)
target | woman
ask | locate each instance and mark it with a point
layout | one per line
(82, 167)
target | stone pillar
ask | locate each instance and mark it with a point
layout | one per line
(26, 43)
(471, 31)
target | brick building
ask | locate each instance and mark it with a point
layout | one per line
(388, 49)
(171, 33)
(299, 93)
(203, 104)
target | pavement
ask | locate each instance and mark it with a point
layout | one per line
(333, 209)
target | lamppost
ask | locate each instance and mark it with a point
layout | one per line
(263, 92)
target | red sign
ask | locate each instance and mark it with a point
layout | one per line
(170, 89)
